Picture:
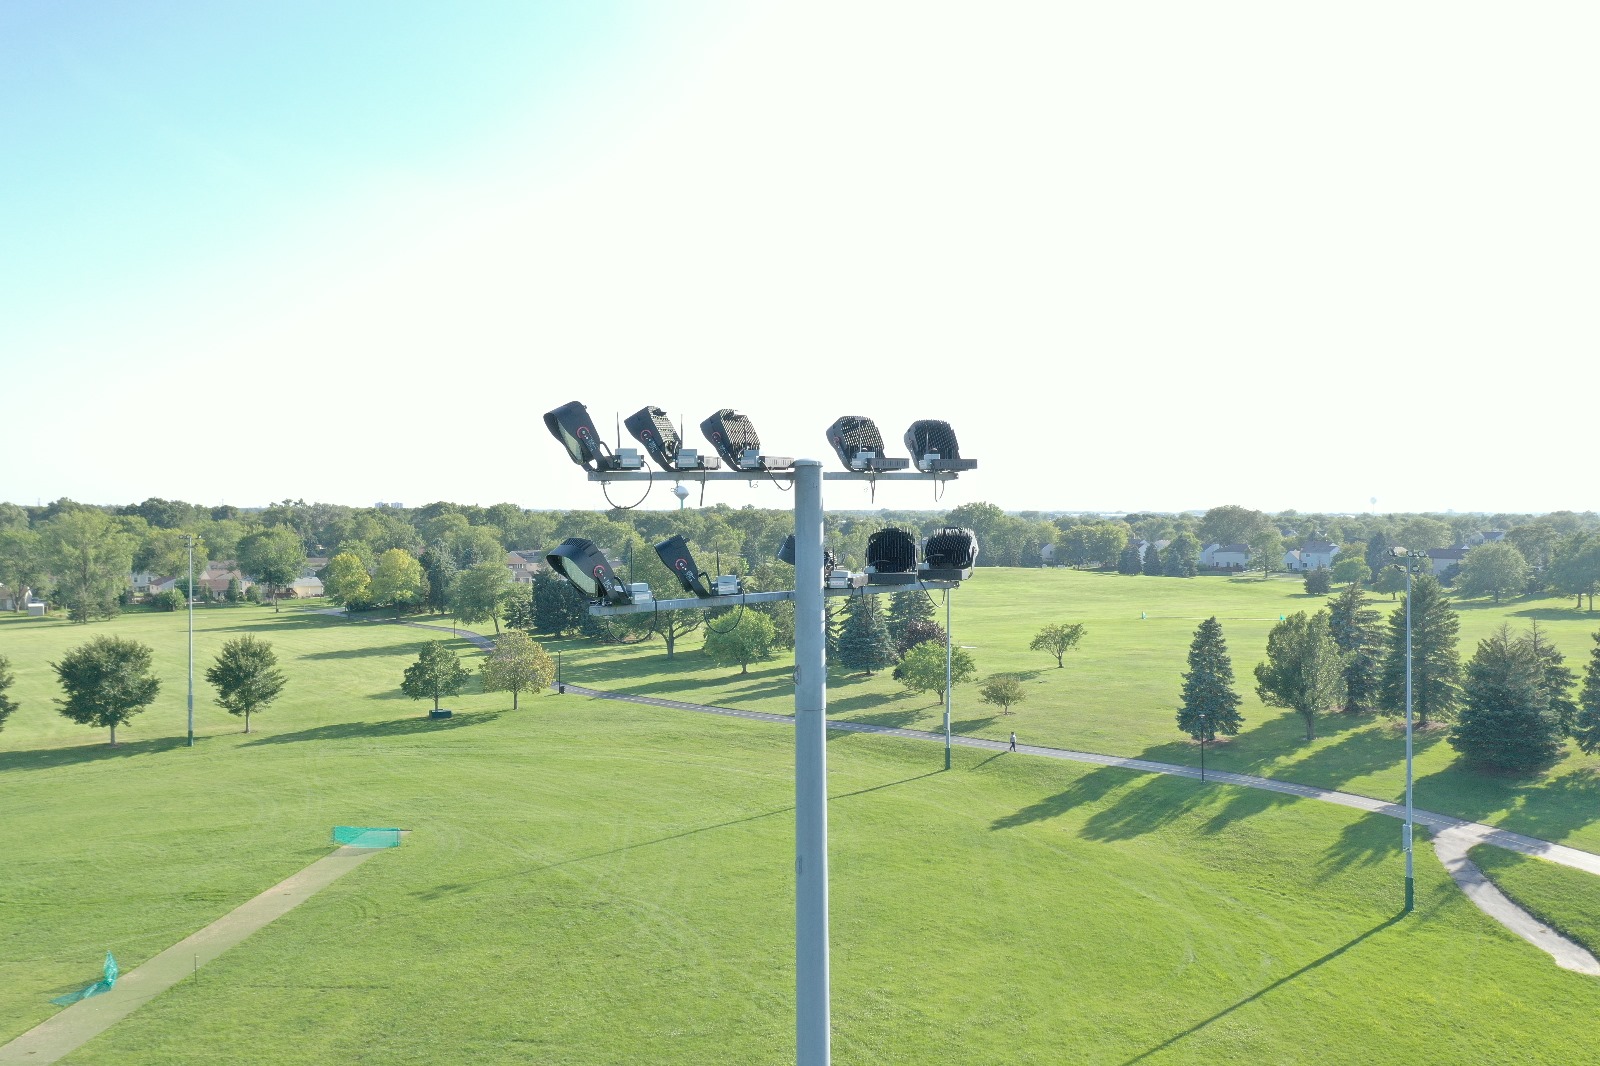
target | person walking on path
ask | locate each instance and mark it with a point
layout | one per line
(1013, 741)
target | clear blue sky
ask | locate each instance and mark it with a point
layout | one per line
(1141, 257)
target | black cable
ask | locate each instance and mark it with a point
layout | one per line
(648, 486)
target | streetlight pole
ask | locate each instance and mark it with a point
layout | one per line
(1202, 749)
(190, 538)
(1406, 564)
(812, 1024)
(947, 671)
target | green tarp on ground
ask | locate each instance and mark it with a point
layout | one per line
(359, 837)
(105, 984)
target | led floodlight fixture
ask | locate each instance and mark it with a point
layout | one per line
(583, 564)
(949, 554)
(571, 425)
(734, 438)
(786, 555)
(933, 448)
(860, 445)
(674, 553)
(891, 557)
(652, 428)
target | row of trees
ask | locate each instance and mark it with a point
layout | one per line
(106, 681)
(1511, 708)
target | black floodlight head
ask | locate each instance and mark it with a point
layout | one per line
(571, 425)
(891, 557)
(786, 555)
(652, 428)
(933, 448)
(674, 553)
(860, 445)
(949, 554)
(581, 563)
(734, 438)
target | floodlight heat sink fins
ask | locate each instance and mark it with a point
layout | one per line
(734, 437)
(859, 445)
(933, 448)
(571, 425)
(583, 564)
(891, 557)
(675, 556)
(949, 554)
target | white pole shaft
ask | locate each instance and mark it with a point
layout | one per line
(1409, 826)
(947, 659)
(191, 641)
(812, 1025)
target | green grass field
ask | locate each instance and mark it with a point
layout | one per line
(595, 882)
(1565, 899)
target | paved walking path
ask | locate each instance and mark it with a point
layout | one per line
(1453, 837)
(75, 1026)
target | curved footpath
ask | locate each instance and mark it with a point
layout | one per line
(1452, 837)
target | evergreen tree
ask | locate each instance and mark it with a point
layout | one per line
(1318, 582)
(1506, 721)
(1154, 565)
(1557, 678)
(1354, 626)
(1586, 731)
(1129, 562)
(7, 704)
(1435, 665)
(906, 608)
(558, 608)
(864, 643)
(1208, 687)
(440, 570)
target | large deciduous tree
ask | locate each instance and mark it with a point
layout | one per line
(1209, 704)
(107, 681)
(923, 668)
(1266, 549)
(1493, 570)
(1304, 670)
(398, 580)
(1507, 721)
(436, 673)
(91, 560)
(22, 563)
(480, 591)
(1232, 524)
(275, 557)
(745, 639)
(347, 582)
(517, 662)
(1435, 665)
(1058, 638)
(246, 677)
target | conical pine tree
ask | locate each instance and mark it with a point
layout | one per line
(864, 643)
(1435, 666)
(1354, 625)
(1506, 720)
(904, 609)
(1208, 687)
(1153, 563)
(1128, 562)
(1586, 731)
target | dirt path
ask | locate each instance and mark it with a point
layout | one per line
(75, 1026)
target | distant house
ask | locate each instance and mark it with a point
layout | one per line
(1225, 556)
(1443, 559)
(313, 564)
(1488, 536)
(8, 598)
(303, 588)
(219, 575)
(1312, 555)
(156, 585)
(523, 565)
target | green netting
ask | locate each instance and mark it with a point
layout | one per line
(357, 837)
(105, 984)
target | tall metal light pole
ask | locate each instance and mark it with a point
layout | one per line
(810, 772)
(190, 538)
(1406, 562)
(1202, 749)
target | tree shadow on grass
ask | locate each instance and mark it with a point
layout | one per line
(380, 651)
(1550, 806)
(885, 719)
(1367, 841)
(1090, 788)
(1150, 804)
(54, 758)
(401, 727)
(278, 623)
(1274, 986)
